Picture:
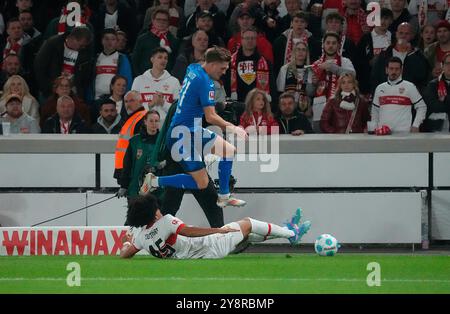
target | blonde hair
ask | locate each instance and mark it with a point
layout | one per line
(337, 95)
(249, 100)
(7, 87)
(293, 64)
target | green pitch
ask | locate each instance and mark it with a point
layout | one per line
(243, 273)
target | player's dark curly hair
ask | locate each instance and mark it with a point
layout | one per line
(142, 210)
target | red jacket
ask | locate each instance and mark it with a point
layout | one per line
(263, 46)
(258, 120)
(335, 119)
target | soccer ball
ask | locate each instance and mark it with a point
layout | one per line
(326, 245)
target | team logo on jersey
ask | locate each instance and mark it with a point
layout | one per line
(211, 95)
(139, 153)
(166, 87)
(401, 90)
(246, 71)
(174, 222)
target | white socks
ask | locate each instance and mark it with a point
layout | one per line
(268, 229)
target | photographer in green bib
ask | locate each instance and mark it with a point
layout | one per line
(137, 158)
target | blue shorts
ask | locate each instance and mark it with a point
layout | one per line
(188, 148)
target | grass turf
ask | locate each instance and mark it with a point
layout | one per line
(243, 273)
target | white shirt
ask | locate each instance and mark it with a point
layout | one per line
(111, 20)
(70, 59)
(380, 42)
(105, 69)
(392, 103)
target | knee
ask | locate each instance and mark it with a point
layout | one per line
(203, 183)
(246, 226)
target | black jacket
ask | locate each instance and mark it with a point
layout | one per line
(434, 105)
(49, 61)
(219, 20)
(296, 122)
(77, 126)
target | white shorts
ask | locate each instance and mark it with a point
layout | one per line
(217, 245)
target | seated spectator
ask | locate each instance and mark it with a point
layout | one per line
(176, 15)
(65, 120)
(394, 100)
(27, 22)
(109, 121)
(356, 20)
(296, 79)
(114, 14)
(257, 117)
(138, 155)
(292, 7)
(20, 121)
(193, 53)
(370, 46)
(219, 19)
(437, 98)
(16, 38)
(427, 37)
(249, 70)
(117, 90)
(435, 52)
(16, 85)
(347, 112)
(157, 87)
(109, 63)
(334, 22)
(298, 32)
(205, 23)
(245, 22)
(416, 68)
(157, 36)
(10, 67)
(62, 86)
(290, 120)
(68, 55)
(401, 15)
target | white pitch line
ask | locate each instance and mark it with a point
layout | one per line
(222, 279)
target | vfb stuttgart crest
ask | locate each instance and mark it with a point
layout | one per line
(401, 90)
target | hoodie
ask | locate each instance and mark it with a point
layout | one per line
(101, 128)
(148, 85)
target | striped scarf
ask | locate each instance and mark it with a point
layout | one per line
(162, 35)
(12, 48)
(327, 80)
(290, 43)
(442, 88)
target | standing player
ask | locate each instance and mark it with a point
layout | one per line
(197, 99)
(168, 237)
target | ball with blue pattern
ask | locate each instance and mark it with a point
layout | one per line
(326, 245)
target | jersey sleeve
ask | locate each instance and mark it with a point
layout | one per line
(207, 92)
(173, 224)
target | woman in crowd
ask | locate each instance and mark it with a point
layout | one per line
(296, 78)
(62, 86)
(118, 88)
(257, 117)
(176, 15)
(17, 85)
(347, 112)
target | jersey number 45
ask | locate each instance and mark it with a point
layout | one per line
(161, 251)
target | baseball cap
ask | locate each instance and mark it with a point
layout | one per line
(204, 13)
(11, 97)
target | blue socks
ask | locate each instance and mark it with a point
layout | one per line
(181, 181)
(225, 166)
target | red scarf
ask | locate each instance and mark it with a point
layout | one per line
(442, 88)
(290, 43)
(12, 48)
(165, 43)
(262, 75)
(327, 80)
(62, 25)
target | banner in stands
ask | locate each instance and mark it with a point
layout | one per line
(61, 241)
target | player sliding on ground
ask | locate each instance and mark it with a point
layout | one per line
(168, 237)
(189, 142)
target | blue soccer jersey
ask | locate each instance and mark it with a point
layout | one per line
(197, 92)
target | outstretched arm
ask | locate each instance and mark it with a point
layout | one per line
(128, 250)
(200, 232)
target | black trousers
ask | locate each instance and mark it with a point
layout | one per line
(206, 198)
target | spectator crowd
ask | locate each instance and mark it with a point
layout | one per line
(303, 66)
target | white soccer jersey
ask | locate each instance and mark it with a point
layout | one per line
(105, 69)
(163, 241)
(392, 105)
(147, 85)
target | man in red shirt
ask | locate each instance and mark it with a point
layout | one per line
(356, 19)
